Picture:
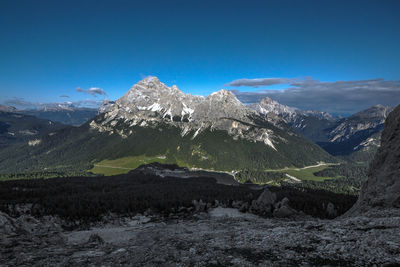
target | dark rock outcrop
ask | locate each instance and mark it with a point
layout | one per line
(264, 204)
(382, 189)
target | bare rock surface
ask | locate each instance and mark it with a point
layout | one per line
(382, 189)
(150, 102)
(222, 237)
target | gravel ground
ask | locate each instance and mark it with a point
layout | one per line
(222, 237)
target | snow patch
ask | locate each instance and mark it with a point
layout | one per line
(268, 142)
(34, 142)
(155, 107)
(197, 132)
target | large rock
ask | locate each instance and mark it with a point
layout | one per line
(382, 189)
(283, 210)
(264, 203)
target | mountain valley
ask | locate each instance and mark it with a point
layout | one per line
(217, 132)
(265, 143)
(355, 138)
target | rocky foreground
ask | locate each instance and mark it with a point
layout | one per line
(367, 235)
(221, 237)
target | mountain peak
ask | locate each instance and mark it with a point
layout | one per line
(151, 103)
(226, 96)
(377, 111)
(149, 79)
(267, 100)
(221, 92)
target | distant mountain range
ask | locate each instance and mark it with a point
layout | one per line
(352, 136)
(62, 113)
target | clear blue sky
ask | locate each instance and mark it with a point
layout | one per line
(49, 48)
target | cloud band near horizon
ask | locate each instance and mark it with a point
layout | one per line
(340, 97)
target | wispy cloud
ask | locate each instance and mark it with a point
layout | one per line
(341, 97)
(64, 96)
(94, 91)
(260, 82)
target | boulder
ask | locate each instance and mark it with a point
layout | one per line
(244, 207)
(331, 210)
(264, 203)
(199, 206)
(283, 210)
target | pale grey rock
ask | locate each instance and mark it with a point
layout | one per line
(293, 116)
(368, 119)
(150, 102)
(106, 106)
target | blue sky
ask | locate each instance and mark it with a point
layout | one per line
(49, 48)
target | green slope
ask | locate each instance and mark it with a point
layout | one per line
(78, 149)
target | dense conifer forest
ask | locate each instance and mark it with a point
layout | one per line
(89, 198)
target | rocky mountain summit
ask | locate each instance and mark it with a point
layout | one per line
(370, 120)
(382, 189)
(358, 134)
(150, 102)
(292, 116)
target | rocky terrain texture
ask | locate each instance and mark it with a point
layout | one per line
(382, 189)
(366, 236)
(221, 237)
(292, 116)
(371, 119)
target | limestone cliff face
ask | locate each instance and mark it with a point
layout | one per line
(150, 102)
(382, 189)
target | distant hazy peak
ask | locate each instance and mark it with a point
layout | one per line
(377, 111)
(7, 108)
